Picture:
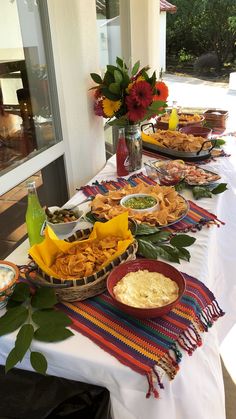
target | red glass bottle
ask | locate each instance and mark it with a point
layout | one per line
(122, 154)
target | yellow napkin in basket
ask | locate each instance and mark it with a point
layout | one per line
(46, 252)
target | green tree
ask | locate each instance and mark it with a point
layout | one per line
(201, 26)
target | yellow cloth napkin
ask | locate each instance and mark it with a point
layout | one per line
(149, 139)
(46, 252)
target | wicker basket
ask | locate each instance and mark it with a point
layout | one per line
(82, 288)
(216, 118)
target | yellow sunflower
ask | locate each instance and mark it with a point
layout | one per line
(110, 107)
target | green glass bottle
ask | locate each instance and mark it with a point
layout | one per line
(35, 216)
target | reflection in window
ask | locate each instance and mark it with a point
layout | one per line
(26, 126)
(108, 24)
(52, 190)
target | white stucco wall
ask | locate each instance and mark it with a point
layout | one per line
(140, 31)
(75, 48)
(162, 35)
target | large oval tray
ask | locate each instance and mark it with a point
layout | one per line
(200, 154)
(133, 220)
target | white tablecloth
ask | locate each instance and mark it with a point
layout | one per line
(197, 392)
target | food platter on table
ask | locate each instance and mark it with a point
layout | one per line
(172, 206)
(185, 119)
(192, 174)
(177, 144)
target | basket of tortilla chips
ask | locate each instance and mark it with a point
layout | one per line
(78, 270)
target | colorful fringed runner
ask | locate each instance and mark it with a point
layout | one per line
(195, 219)
(144, 344)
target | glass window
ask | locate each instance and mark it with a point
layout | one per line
(108, 25)
(51, 189)
(26, 123)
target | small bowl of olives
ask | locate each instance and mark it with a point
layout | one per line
(63, 220)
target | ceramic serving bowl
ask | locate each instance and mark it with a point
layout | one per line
(196, 131)
(9, 274)
(140, 202)
(152, 266)
(64, 228)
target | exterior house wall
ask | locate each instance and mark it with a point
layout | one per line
(162, 35)
(75, 48)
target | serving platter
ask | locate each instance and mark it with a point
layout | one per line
(160, 218)
(203, 151)
(186, 156)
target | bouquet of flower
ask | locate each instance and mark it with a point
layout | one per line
(128, 96)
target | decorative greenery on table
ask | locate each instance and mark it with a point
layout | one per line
(155, 243)
(202, 191)
(35, 314)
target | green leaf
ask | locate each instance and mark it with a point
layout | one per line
(158, 237)
(150, 251)
(162, 236)
(51, 318)
(38, 362)
(219, 188)
(96, 78)
(184, 254)
(52, 334)
(118, 76)
(181, 186)
(44, 298)
(108, 79)
(219, 142)
(23, 340)
(201, 192)
(182, 240)
(147, 249)
(111, 68)
(12, 304)
(126, 80)
(13, 319)
(109, 95)
(135, 68)
(170, 253)
(156, 105)
(114, 88)
(145, 229)
(119, 62)
(11, 360)
(21, 292)
(89, 217)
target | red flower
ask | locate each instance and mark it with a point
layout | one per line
(98, 109)
(97, 93)
(162, 91)
(135, 111)
(141, 91)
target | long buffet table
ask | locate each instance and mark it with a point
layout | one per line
(197, 392)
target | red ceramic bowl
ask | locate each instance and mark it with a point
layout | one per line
(153, 266)
(197, 131)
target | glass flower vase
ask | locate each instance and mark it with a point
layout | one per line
(134, 143)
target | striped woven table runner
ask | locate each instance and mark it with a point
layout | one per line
(144, 344)
(195, 219)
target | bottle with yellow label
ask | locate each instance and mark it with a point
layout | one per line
(174, 119)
